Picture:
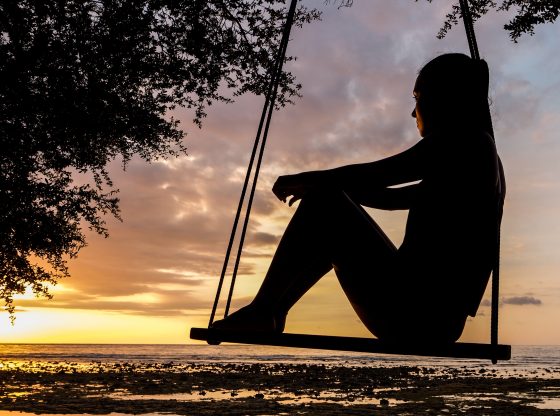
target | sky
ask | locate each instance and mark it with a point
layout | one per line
(156, 275)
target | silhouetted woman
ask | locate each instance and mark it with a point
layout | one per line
(451, 182)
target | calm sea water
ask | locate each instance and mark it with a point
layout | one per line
(524, 358)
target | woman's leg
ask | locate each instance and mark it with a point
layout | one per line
(327, 230)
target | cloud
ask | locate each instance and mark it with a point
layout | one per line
(513, 300)
(150, 302)
(522, 300)
(265, 238)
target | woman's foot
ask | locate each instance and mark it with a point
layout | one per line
(250, 319)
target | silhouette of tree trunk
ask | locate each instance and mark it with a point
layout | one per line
(86, 81)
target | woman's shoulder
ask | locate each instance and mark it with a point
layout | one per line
(462, 144)
(460, 136)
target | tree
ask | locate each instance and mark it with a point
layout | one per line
(88, 81)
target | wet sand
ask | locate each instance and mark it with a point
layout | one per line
(272, 389)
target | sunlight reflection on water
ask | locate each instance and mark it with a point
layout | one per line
(338, 396)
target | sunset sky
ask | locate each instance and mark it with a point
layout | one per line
(156, 275)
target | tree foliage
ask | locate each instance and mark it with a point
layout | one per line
(87, 81)
(528, 14)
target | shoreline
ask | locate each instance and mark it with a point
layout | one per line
(57, 387)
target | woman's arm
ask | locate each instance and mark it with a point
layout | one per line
(364, 181)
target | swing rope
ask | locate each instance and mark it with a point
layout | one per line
(262, 130)
(469, 29)
(473, 47)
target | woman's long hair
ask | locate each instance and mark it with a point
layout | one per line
(454, 91)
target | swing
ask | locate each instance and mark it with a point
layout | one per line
(492, 351)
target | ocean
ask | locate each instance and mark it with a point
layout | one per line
(524, 358)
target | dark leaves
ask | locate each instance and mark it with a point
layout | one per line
(529, 14)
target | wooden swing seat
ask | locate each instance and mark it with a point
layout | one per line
(367, 345)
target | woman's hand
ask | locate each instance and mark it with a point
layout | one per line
(296, 186)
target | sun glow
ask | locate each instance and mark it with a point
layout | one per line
(44, 325)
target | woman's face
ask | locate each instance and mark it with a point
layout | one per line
(420, 111)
